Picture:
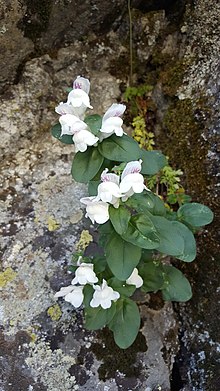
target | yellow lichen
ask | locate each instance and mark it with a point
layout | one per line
(54, 312)
(7, 276)
(52, 224)
(84, 240)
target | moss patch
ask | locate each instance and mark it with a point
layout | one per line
(7, 276)
(54, 312)
(184, 144)
(116, 359)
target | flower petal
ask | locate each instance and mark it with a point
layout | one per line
(82, 83)
(116, 110)
(82, 139)
(64, 291)
(135, 279)
(131, 168)
(75, 297)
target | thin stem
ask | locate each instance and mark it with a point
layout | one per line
(130, 43)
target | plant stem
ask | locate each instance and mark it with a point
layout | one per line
(130, 44)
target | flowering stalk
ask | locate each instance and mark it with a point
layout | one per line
(134, 224)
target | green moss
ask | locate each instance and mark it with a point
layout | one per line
(116, 359)
(7, 276)
(171, 78)
(187, 148)
(54, 312)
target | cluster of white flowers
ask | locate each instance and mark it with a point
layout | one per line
(113, 188)
(72, 114)
(103, 294)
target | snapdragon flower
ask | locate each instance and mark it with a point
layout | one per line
(97, 211)
(131, 180)
(78, 99)
(84, 274)
(83, 139)
(108, 190)
(135, 279)
(72, 294)
(103, 296)
(71, 124)
(112, 122)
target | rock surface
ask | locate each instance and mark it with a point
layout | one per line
(43, 343)
(31, 27)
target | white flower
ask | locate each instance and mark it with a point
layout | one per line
(72, 294)
(83, 138)
(97, 211)
(64, 108)
(135, 279)
(84, 274)
(82, 83)
(111, 122)
(103, 296)
(131, 180)
(78, 99)
(108, 190)
(71, 124)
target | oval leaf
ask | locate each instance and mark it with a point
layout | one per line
(171, 242)
(120, 149)
(96, 318)
(189, 250)
(125, 323)
(153, 161)
(147, 201)
(195, 214)
(86, 164)
(177, 286)
(122, 257)
(94, 122)
(56, 132)
(142, 233)
(119, 218)
(152, 274)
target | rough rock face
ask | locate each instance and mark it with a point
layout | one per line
(31, 27)
(43, 343)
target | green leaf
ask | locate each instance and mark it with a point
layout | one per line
(119, 218)
(122, 257)
(120, 149)
(171, 242)
(121, 287)
(153, 161)
(56, 132)
(195, 214)
(147, 201)
(93, 187)
(99, 264)
(96, 318)
(94, 122)
(189, 249)
(177, 286)
(125, 323)
(86, 164)
(141, 232)
(88, 294)
(152, 274)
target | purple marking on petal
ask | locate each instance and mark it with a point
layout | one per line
(77, 85)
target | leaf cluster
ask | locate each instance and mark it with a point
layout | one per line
(139, 233)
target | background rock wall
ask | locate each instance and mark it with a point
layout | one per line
(176, 46)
